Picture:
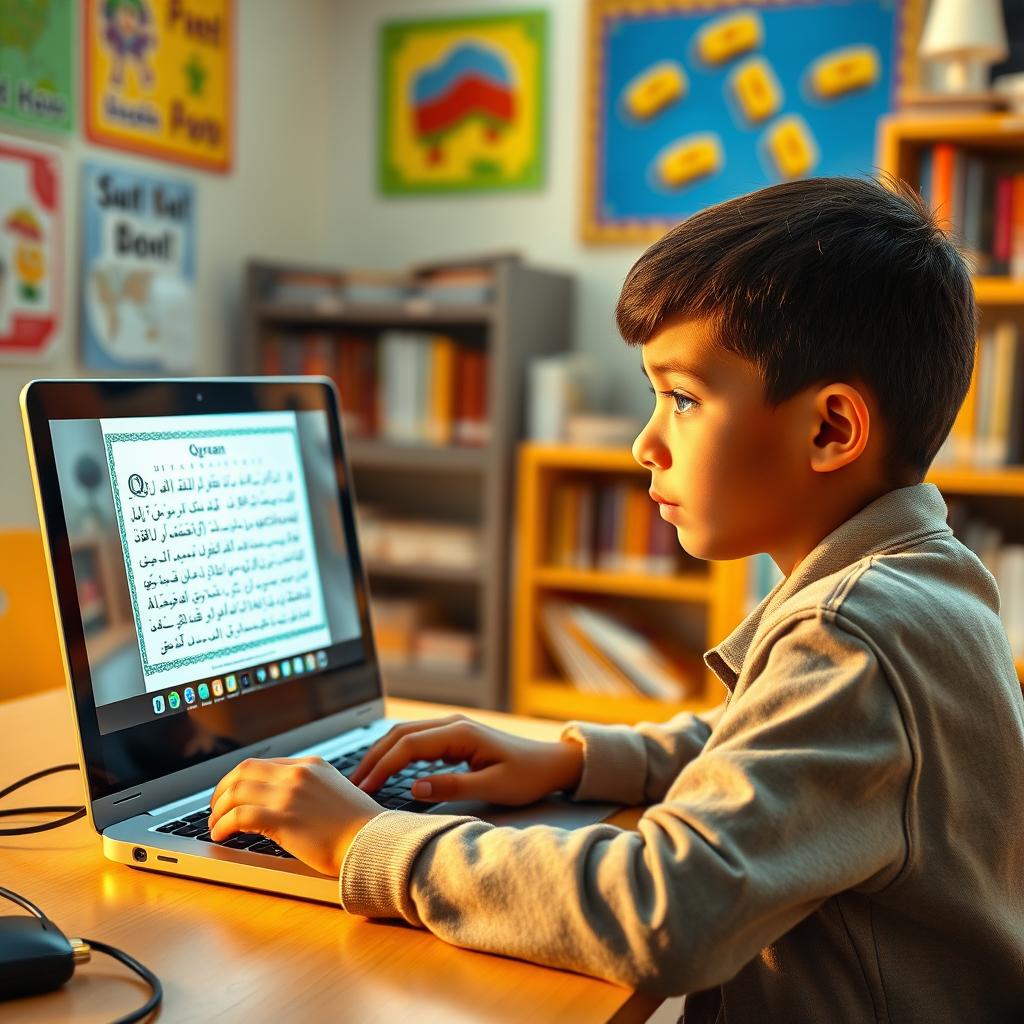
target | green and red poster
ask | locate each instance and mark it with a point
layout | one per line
(35, 63)
(31, 249)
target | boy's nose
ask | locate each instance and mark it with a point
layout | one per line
(649, 451)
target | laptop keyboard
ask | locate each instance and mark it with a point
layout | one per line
(394, 795)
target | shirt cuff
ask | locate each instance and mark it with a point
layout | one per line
(374, 879)
(614, 762)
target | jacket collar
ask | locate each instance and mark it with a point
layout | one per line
(888, 522)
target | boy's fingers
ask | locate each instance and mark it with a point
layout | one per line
(245, 818)
(387, 742)
(241, 791)
(468, 786)
(250, 768)
(428, 745)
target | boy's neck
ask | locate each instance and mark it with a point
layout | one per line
(822, 513)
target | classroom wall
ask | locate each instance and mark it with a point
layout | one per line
(388, 231)
(273, 203)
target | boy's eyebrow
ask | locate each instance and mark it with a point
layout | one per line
(673, 367)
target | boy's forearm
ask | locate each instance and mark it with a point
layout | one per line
(637, 764)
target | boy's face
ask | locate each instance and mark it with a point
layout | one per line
(728, 470)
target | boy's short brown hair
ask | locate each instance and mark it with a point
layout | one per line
(820, 280)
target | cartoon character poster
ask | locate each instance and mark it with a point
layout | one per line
(31, 249)
(462, 104)
(693, 102)
(159, 76)
(138, 271)
(35, 63)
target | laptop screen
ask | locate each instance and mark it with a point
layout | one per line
(217, 580)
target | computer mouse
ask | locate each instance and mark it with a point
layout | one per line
(34, 957)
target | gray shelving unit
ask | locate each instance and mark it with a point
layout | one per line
(531, 314)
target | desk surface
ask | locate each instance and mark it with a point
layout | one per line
(233, 954)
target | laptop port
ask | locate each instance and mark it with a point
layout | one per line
(139, 854)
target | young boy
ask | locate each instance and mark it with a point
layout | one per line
(839, 841)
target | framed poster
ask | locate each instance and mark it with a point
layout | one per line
(138, 271)
(462, 103)
(35, 63)
(159, 78)
(692, 102)
(31, 249)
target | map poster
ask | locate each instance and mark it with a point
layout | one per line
(462, 105)
(159, 78)
(138, 271)
(31, 249)
(35, 63)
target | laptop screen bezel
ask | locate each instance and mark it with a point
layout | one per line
(46, 401)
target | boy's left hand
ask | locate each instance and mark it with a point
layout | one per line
(303, 804)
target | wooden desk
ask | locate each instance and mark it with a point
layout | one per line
(231, 954)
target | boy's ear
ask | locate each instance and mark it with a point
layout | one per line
(842, 428)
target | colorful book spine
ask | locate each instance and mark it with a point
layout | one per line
(943, 170)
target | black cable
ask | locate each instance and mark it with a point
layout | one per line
(23, 902)
(129, 961)
(142, 971)
(38, 775)
(73, 812)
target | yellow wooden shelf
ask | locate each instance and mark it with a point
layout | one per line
(720, 590)
(994, 130)
(671, 588)
(1008, 482)
(999, 291)
(550, 698)
(572, 457)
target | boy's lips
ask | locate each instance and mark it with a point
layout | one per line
(660, 500)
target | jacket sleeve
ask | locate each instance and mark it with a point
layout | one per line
(799, 794)
(637, 764)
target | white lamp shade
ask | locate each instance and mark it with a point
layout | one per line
(970, 29)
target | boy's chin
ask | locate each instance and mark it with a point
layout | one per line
(708, 547)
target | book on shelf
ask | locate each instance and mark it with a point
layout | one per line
(1003, 558)
(453, 286)
(989, 428)
(319, 289)
(612, 526)
(980, 197)
(410, 633)
(598, 652)
(409, 387)
(392, 540)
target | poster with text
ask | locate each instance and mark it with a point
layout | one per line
(138, 271)
(35, 63)
(159, 77)
(31, 249)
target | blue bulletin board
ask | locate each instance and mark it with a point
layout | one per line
(691, 103)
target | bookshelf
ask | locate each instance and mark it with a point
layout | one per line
(717, 592)
(993, 146)
(703, 600)
(525, 312)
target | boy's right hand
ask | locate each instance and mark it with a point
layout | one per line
(504, 769)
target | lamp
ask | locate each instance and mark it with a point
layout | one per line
(962, 38)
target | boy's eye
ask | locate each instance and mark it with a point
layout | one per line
(682, 402)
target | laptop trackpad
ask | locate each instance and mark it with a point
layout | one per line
(556, 811)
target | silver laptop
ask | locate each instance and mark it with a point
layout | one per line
(212, 606)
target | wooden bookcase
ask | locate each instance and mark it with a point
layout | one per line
(998, 492)
(717, 592)
(530, 314)
(710, 596)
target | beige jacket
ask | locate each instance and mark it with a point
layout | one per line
(842, 841)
